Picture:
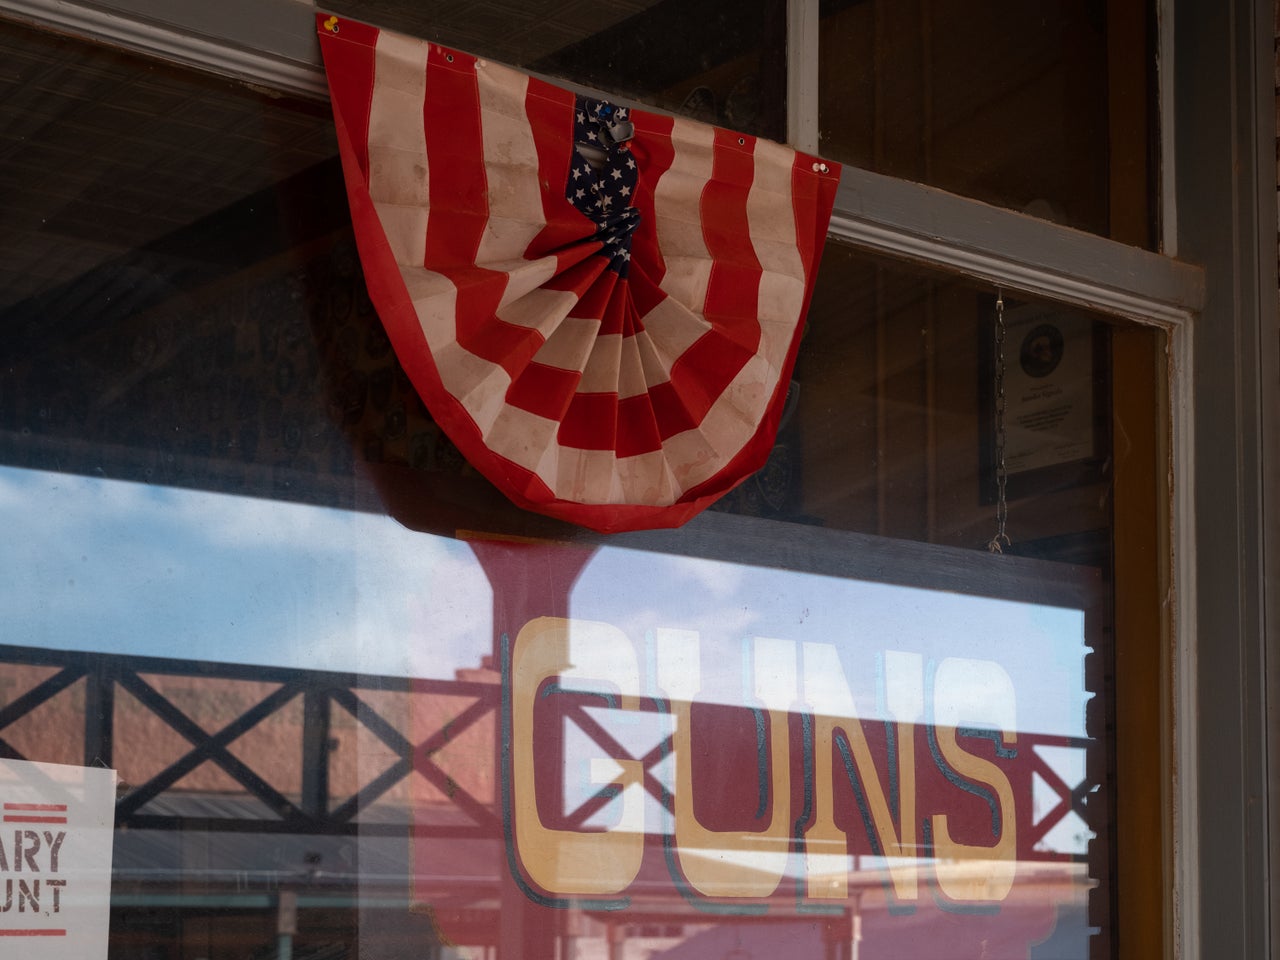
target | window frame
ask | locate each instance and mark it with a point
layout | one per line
(1213, 291)
(1226, 844)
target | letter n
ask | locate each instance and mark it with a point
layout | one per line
(826, 691)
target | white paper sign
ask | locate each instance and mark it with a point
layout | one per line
(56, 828)
(1049, 385)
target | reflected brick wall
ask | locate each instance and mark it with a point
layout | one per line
(145, 744)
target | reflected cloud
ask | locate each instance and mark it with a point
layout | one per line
(719, 580)
(109, 565)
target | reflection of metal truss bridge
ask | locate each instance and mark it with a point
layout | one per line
(82, 694)
(94, 700)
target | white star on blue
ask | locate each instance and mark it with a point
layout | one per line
(610, 179)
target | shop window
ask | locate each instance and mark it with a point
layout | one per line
(357, 701)
(1040, 107)
(719, 63)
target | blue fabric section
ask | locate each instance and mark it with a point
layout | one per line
(602, 180)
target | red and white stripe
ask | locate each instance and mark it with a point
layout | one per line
(612, 403)
(35, 813)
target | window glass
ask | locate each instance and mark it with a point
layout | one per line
(722, 64)
(358, 704)
(1040, 107)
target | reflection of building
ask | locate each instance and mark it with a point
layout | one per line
(238, 786)
(221, 819)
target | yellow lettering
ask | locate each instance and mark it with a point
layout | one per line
(826, 691)
(730, 863)
(975, 692)
(571, 861)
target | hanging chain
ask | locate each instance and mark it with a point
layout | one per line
(1001, 539)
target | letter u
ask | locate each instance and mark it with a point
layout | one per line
(731, 863)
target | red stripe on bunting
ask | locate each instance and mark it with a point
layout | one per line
(812, 213)
(591, 420)
(654, 153)
(670, 411)
(455, 150)
(549, 391)
(595, 298)
(550, 111)
(640, 422)
(350, 66)
(646, 294)
(638, 430)
(579, 279)
(812, 202)
(638, 410)
(460, 212)
(544, 390)
(481, 331)
(702, 372)
(582, 270)
(613, 319)
(456, 219)
(733, 290)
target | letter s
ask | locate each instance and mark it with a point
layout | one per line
(977, 692)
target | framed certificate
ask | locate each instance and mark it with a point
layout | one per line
(1055, 382)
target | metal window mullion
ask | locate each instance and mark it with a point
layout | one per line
(802, 75)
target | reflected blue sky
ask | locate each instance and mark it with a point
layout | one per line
(113, 566)
(103, 565)
(1042, 648)
(106, 565)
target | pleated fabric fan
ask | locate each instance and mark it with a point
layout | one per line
(599, 306)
